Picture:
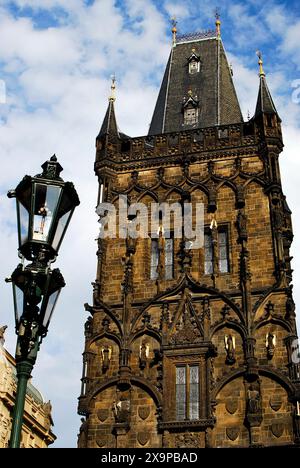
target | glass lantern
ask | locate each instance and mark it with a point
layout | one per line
(35, 295)
(45, 205)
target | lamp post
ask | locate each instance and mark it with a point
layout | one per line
(45, 204)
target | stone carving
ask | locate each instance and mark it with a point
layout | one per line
(4, 430)
(83, 432)
(187, 330)
(230, 349)
(270, 344)
(47, 407)
(144, 355)
(102, 442)
(254, 405)
(143, 437)
(232, 433)
(88, 327)
(2, 333)
(275, 402)
(231, 406)
(144, 412)
(106, 353)
(121, 410)
(277, 429)
(102, 414)
(187, 441)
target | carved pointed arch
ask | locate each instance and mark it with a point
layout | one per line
(227, 183)
(148, 193)
(138, 381)
(177, 190)
(255, 179)
(274, 321)
(227, 378)
(145, 332)
(105, 334)
(273, 374)
(186, 281)
(234, 325)
(200, 187)
(100, 307)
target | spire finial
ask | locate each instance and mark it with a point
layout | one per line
(174, 29)
(260, 63)
(218, 23)
(112, 96)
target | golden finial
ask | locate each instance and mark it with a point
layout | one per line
(112, 96)
(190, 93)
(174, 29)
(218, 23)
(260, 63)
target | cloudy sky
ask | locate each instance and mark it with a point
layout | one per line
(56, 59)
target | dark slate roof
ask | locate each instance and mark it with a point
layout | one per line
(109, 125)
(213, 87)
(265, 102)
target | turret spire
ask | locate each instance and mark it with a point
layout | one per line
(265, 104)
(109, 125)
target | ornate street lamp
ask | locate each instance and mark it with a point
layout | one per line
(45, 204)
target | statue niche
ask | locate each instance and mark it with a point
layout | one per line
(230, 349)
(254, 405)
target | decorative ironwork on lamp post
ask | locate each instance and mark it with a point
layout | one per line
(45, 204)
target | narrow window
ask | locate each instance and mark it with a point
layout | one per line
(194, 392)
(208, 254)
(187, 393)
(154, 259)
(180, 393)
(223, 251)
(169, 258)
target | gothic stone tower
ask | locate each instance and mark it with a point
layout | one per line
(195, 347)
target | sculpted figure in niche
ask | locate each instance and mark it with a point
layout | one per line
(144, 354)
(254, 400)
(230, 349)
(106, 357)
(242, 225)
(121, 410)
(270, 344)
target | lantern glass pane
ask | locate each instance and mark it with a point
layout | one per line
(45, 205)
(18, 302)
(23, 223)
(50, 308)
(60, 230)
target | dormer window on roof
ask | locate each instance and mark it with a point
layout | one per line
(194, 63)
(190, 109)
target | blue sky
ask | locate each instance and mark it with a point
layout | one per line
(56, 59)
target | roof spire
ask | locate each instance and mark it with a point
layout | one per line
(260, 63)
(265, 104)
(112, 96)
(174, 29)
(218, 23)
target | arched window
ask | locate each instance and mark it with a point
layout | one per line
(194, 66)
(191, 115)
